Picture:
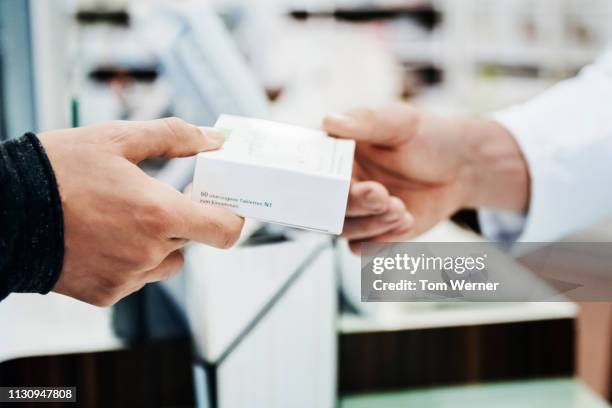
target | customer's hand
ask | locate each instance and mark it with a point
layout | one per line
(122, 228)
(435, 165)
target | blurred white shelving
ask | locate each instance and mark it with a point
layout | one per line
(551, 38)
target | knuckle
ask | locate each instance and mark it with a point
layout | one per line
(162, 219)
(112, 287)
(231, 233)
(133, 261)
(176, 125)
(137, 257)
(119, 131)
(158, 220)
(146, 257)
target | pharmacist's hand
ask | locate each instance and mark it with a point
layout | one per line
(122, 228)
(435, 165)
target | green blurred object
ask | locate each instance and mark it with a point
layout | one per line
(558, 393)
(74, 112)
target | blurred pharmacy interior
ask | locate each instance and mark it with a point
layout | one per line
(278, 321)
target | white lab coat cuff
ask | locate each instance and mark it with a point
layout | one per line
(565, 135)
(501, 226)
(535, 226)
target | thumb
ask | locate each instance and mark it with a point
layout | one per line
(381, 127)
(168, 137)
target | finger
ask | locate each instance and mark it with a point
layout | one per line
(168, 137)
(206, 224)
(379, 127)
(360, 124)
(367, 227)
(367, 198)
(355, 247)
(402, 232)
(169, 267)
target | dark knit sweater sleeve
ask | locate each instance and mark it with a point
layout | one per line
(31, 220)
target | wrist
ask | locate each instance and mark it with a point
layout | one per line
(495, 171)
(33, 215)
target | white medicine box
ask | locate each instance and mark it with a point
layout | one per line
(277, 173)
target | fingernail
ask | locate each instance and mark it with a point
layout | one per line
(213, 134)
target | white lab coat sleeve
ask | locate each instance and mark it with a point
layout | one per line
(565, 135)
